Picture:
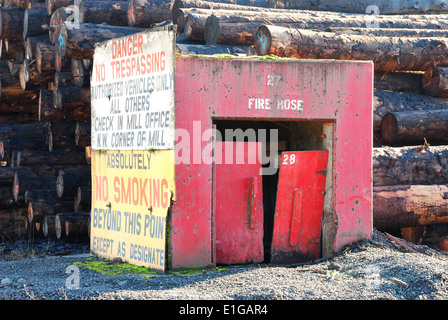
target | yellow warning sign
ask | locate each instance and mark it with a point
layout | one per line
(131, 194)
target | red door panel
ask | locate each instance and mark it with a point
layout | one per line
(238, 204)
(299, 207)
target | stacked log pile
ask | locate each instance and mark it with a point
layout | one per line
(46, 57)
(409, 52)
(44, 114)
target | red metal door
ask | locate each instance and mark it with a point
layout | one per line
(238, 203)
(299, 207)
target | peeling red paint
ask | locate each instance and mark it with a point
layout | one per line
(338, 92)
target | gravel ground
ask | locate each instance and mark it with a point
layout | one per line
(374, 269)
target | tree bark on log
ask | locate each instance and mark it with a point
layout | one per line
(82, 133)
(13, 50)
(209, 49)
(31, 45)
(408, 127)
(84, 197)
(409, 206)
(23, 182)
(24, 83)
(22, 117)
(39, 194)
(34, 157)
(413, 234)
(406, 81)
(53, 5)
(144, 13)
(6, 199)
(79, 169)
(47, 110)
(226, 32)
(35, 4)
(21, 4)
(391, 32)
(46, 59)
(38, 209)
(12, 102)
(388, 54)
(230, 34)
(77, 41)
(191, 6)
(14, 66)
(74, 102)
(12, 94)
(410, 165)
(8, 145)
(71, 224)
(435, 82)
(261, 5)
(7, 174)
(12, 23)
(71, 96)
(324, 20)
(195, 26)
(385, 102)
(61, 127)
(18, 109)
(30, 77)
(383, 7)
(63, 79)
(114, 13)
(61, 142)
(80, 75)
(67, 184)
(23, 130)
(35, 22)
(10, 85)
(7, 79)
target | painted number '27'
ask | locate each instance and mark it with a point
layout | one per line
(274, 79)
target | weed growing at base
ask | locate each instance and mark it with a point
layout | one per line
(105, 266)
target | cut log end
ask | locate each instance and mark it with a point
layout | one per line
(16, 187)
(389, 128)
(25, 23)
(60, 44)
(48, 225)
(211, 31)
(2, 150)
(58, 227)
(435, 82)
(262, 41)
(177, 4)
(60, 185)
(131, 13)
(179, 20)
(30, 212)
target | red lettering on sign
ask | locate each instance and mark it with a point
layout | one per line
(138, 191)
(127, 47)
(138, 65)
(101, 189)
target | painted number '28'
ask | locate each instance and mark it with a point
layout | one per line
(289, 159)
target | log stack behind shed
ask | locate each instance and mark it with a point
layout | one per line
(45, 66)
